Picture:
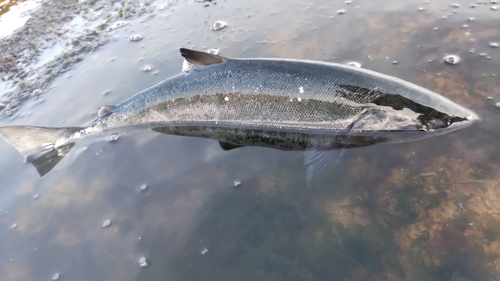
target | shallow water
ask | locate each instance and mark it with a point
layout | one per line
(425, 210)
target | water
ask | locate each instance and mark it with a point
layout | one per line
(426, 210)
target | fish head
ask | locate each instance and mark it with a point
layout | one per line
(405, 107)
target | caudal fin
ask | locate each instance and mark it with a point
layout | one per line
(41, 146)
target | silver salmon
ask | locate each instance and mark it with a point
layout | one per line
(279, 103)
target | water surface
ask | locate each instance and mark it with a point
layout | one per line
(425, 210)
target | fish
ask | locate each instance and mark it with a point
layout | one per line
(322, 108)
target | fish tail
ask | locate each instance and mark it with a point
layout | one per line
(43, 147)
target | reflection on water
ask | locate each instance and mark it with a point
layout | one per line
(426, 210)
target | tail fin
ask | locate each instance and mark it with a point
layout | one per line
(41, 146)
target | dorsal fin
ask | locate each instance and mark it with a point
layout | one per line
(196, 58)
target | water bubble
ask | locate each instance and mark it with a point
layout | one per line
(106, 223)
(353, 63)
(56, 276)
(451, 59)
(13, 226)
(421, 8)
(395, 62)
(143, 187)
(237, 182)
(113, 137)
(204, 251)
(35, 196)
(104, 110)
(213, 51)
(142, 262)
(135, 37)
(37, 92)
(472, 19)
(106, 92)
(483, 54)
(147, 68)
(348, 2)
(455, 5)
(226, 98)
(341, 12)
(118, 24)
(494, 2)
(494, 8)
(497, 105)
(472, 5)
(299, 99)
(218, 25)
(494, 45)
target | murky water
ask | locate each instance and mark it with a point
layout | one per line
(149, 206)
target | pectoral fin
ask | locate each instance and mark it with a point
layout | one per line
(318, 159)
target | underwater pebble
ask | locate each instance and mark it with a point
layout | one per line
(204, 251)
(341, 12)
(56, 276)
(135, 37)
(451, 59)
(147, 68)
(113, 137)
(106, 223)
(494, 45)
(237, 182)
(143, 187)
(218, 25)
(142, 262)
(213, 51)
